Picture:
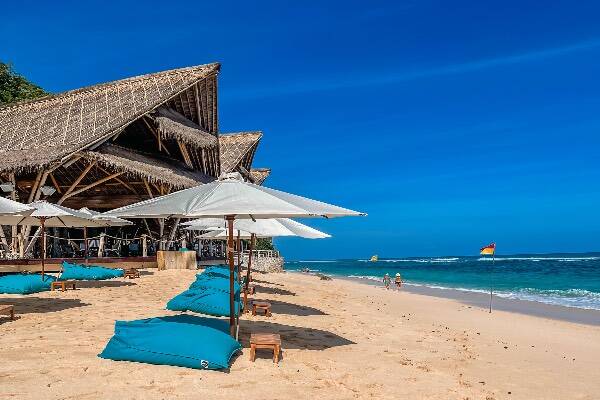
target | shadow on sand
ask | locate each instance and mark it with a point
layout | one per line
(283, 307)
(292, 337)
(266, 282)
(269, 290)
(101, 284)
(39, 305)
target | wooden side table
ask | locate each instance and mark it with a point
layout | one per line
(62, 285)
(261, 306)
(270, 341)
(9, 310)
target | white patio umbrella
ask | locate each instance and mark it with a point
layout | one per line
(112, 221)
(231, 198)
(262, 227)
(12, 212)
(248, 229)
(53, 215)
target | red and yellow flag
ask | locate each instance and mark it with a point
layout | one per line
(489, 249)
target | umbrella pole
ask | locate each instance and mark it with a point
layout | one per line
(230, 219)
(252, 238)
(239, 253)
(42, 220)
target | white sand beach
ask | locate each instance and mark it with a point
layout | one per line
(341, 340)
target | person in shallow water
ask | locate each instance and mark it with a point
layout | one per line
(398, 281)
(387, 281)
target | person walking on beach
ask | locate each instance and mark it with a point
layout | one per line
(387, 281)
(398, 281)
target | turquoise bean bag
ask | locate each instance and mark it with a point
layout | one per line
(181, 340)
(203, 281)
(88, 273)
(25, 283)
(218, 270)
(208, 301)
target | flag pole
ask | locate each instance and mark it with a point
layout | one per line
(492, 278)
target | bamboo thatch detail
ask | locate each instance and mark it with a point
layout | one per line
(37, 133)
(237, 147)
(259, 175)
(136, 164)
(173, 125)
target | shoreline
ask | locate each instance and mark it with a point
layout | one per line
(481, 300)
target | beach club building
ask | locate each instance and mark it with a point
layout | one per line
(114, 144)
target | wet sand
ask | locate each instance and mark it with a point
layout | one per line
(341, 340)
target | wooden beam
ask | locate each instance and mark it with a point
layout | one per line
(74, 184)
(121, 181)
(91, 185)
(56, 185)
(36, 184)
(148, 188)
(157, 136)
(185, 154)
(198, 110)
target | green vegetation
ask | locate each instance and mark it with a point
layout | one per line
(14, 87)
(264, 244)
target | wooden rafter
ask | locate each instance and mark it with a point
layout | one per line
(74, 184)
(91, 185)
(55, 183)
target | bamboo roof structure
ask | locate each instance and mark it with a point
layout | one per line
(36, 133)
(259, 175)
(138, 165)
(237, 150)
(115, 143)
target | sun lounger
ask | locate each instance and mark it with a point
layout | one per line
(7, 309)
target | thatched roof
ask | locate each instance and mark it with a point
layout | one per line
(173, 125)
(237, 147)
(162, 170)
(258, 175)
(37, 133)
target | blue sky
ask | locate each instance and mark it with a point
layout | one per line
(452, 124)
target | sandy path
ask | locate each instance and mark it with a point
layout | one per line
(341, 340)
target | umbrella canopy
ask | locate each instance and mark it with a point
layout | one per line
(112, 221)
(261, 227)
(221, 234)
(58, 216)
(13, 212)
(230, 196)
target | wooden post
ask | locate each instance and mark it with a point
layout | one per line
(230, 219)
(144, 246)
(85, 245)
(252, 239)
(42, 221)
(21, 245)
(252, 244)
(239, 254)
(101, 245)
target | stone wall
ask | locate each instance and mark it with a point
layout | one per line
(266, 264)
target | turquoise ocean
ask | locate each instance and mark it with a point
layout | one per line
(571, 280)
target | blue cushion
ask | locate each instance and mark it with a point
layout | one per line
(207, 301)
(25, 283)
(89, 273)
(219, 270)
(214, 282)
(181, 340)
